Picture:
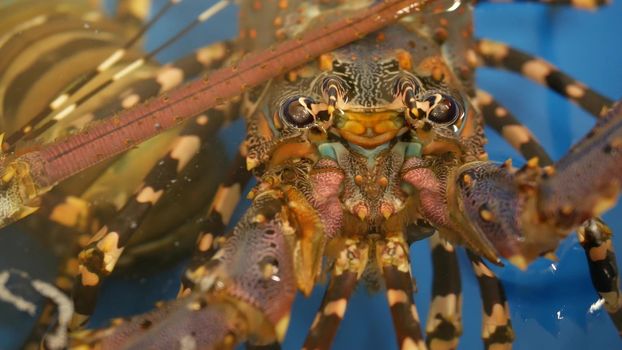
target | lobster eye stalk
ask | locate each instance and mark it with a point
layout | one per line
(408, 88)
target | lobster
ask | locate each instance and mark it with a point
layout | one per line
(377, 145)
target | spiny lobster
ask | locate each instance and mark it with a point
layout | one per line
(360, 153)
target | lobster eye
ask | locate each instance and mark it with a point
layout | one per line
(446, 109)
(296, 112)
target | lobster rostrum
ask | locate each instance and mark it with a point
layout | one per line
(357, 154)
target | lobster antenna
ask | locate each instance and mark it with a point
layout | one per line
(54, 108)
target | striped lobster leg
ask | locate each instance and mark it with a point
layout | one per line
(347, 269)
(392, 255)
(444, 325)
(214, 223)
(499, 55)
(497, 330)
(595, 238)
(511, 129)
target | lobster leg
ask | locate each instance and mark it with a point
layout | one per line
(244, 293)
(395, 267)
(99, 258)
(444, 325)
(347, 269)
(215, 222)
(497, 330)
(499, 55)
(595, 238)
(512, 130)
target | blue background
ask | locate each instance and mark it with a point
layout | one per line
(550, 302)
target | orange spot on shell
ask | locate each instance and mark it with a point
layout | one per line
(326, 62)
(404, 59)
(278, 21)
(292, 76)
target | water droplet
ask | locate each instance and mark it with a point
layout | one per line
(597, 305)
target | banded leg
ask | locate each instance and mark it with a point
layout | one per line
(347, 269)
(395, 267)
(512, 130)
(216, 220)
(497, 330)
(499, 55)
(99, 258)
(595, 238)
(444, 325)
(245, 293)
